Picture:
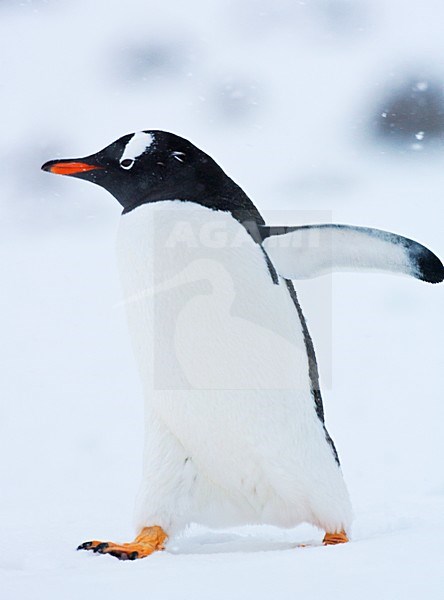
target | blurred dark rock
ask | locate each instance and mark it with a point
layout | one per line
(412, 114)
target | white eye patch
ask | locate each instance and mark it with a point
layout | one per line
(137, 145)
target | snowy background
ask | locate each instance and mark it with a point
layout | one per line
(322, 105)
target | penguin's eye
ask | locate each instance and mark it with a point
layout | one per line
(127, 163)
(180, 156)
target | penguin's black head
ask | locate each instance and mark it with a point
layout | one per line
(149, 166)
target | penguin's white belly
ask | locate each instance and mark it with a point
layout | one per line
(223, 362)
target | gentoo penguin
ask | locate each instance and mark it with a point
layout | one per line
(235, 430)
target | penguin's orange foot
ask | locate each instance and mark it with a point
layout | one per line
(331, 539)
(149, 540)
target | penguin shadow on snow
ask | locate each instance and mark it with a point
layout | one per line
(248, 539)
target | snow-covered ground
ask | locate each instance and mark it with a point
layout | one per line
(280, 94)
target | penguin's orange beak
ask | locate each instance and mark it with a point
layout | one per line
(68, 167)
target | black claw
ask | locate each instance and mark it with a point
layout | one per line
(101, 547)
(123, 556)
(133, 555)
(84, 546)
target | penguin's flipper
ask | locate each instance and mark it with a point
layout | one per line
(149, 540)
(312, 250)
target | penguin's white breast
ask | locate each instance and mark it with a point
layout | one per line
(203, 310)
